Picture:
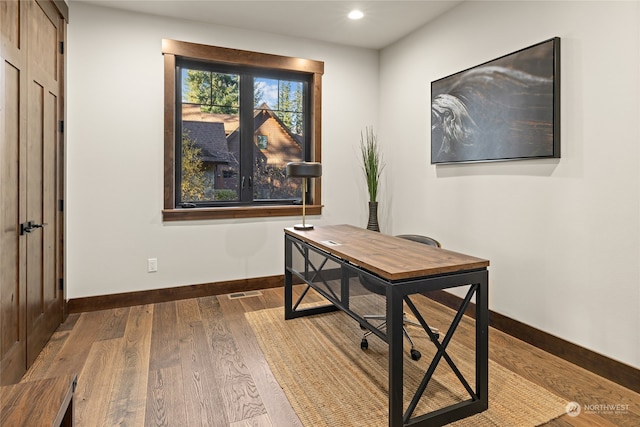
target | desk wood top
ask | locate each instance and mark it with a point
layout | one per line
(392, 258)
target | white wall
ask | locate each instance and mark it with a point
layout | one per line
(563, 236)
(115, 156)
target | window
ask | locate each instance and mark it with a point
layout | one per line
(263, 141)
(233, 120)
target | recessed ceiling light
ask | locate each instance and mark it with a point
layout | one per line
(355, 14)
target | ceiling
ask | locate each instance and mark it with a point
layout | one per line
(384, 22)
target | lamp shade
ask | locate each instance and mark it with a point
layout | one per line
(304, 169)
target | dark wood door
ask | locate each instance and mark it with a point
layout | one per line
(43, 138)
(31, 257)
(13, 347)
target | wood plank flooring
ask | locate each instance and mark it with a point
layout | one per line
(196, 362)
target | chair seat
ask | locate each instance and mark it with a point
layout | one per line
(377, 287)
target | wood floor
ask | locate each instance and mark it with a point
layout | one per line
(197, 363)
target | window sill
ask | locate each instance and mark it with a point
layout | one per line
(196, 214)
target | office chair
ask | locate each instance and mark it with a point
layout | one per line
(379, 289)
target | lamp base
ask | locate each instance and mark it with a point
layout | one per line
(303, 227)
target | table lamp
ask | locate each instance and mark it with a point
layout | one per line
(304, 170)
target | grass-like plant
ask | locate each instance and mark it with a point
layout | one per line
(372, 161)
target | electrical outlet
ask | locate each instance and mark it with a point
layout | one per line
(152, 265)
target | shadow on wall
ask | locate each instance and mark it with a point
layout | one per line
(537, 167)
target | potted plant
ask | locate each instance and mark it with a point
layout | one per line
(372, 164)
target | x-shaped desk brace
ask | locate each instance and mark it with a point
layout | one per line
(442, 351)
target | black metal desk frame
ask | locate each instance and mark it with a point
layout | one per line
(397, 293)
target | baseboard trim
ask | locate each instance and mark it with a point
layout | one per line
(153, 296)
(618, 372)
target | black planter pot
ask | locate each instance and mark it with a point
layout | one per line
(373, 217)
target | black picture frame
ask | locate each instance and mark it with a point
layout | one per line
(504, 109)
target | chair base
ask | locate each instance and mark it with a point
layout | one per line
(415, 354)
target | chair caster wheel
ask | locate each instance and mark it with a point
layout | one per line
(364, 344)
(415, 354)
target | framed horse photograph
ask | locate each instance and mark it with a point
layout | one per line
(504, 109)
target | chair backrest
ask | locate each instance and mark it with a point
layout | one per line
(421, 239)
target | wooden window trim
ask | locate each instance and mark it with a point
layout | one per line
(170, 50)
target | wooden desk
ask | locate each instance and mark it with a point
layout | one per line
(41, 403)
(404, 268)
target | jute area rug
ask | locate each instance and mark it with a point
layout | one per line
(330, 381)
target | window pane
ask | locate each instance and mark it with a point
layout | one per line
(285, 98)
(278, 137)
(210, 142)
(214, 92)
